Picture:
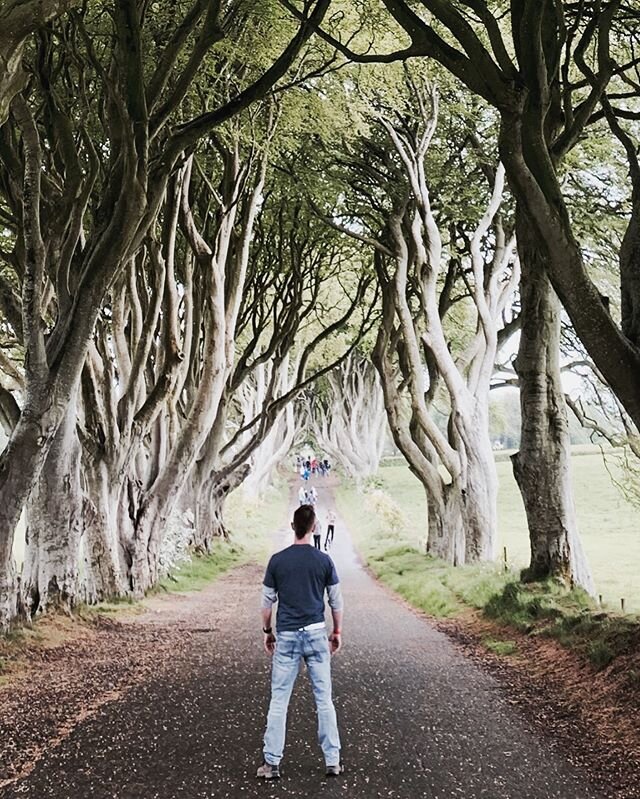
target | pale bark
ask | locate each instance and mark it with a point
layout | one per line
(545, 70)
(413, 353)
(84, 260)
(446, 538)
(349, 423)
(209, 521)
(52, 371)
(278, 440)
(54, 526)
(542, 467)
(220, 316)
(104, 576)
(255, 423)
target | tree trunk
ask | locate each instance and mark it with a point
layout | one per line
(462, 519)
(446, 536)
(209, 522)
(8, 591)
(479, 492)
(616, 356)
(23, 457)
(542, 467)
(54, 525)
(630, 270)
(268, 456)
(103, 576)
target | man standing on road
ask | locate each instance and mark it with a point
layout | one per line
(297, 578)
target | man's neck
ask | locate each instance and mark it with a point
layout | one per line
(305, 540)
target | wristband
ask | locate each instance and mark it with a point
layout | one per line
(337, 632)
(267, 630)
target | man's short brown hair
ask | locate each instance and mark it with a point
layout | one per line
(303, 520)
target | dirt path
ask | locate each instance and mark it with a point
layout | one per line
(417, 718)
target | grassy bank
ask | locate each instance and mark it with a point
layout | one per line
(250, 523)
(387, 524)
(609, 525)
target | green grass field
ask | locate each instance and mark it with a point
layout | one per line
(610, 525)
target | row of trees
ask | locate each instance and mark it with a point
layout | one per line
(163, 300)
(556, 77)
(202, 223)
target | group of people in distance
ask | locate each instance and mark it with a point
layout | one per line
(306, 467)
(309, 496)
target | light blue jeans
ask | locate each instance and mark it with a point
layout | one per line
(312, 647)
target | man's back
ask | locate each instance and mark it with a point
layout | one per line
(300, 575)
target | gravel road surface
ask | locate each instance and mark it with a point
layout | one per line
(417, 718)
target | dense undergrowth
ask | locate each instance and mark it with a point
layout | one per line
(391, 549)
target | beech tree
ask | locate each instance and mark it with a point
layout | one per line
(307, 308)
(203, 314)
(419, 357)
(542, 465)
(280, 440)
(167, 291)
(545, 67)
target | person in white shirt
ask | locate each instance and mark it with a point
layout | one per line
(331, 526)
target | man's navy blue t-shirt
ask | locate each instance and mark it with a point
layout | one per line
(300, 575)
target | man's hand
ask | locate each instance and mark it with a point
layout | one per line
(335, 642)
(269, 643)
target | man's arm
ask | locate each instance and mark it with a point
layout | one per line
(269, 597)
(337, 605)
(335, 639)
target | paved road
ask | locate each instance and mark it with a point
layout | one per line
(417, 718)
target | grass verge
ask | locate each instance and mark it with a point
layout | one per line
(250, 523)
(388, 539)
(202, 570)
(608, 523)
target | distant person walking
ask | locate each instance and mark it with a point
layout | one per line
(317, 535)
(302, 496)
(331, 526)
(313, 495)
(297, 578)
